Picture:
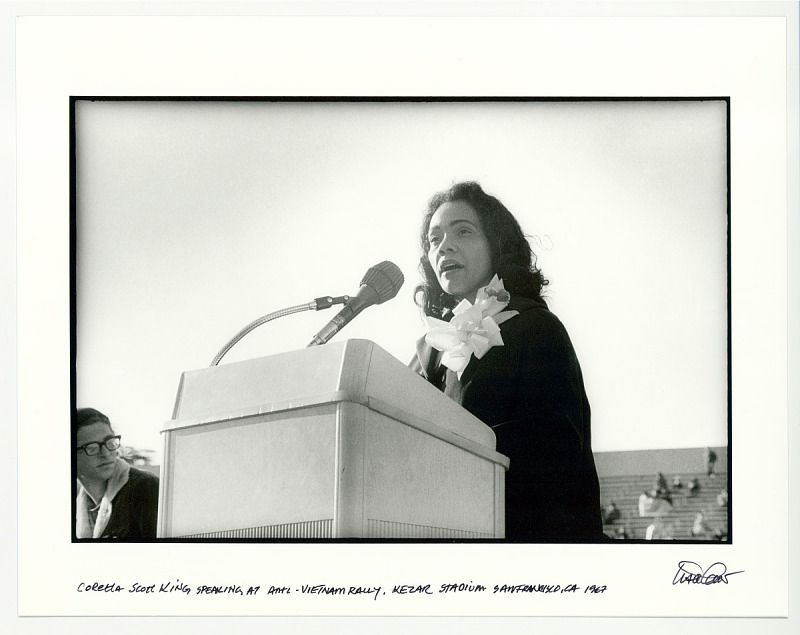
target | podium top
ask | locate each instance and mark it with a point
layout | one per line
(352, 371)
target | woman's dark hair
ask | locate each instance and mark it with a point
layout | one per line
(512, 258)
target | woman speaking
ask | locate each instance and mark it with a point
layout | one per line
(495, 348)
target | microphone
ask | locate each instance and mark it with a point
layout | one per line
(380, 283)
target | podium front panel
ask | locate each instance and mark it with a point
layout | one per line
(260, 477)
(417, 486)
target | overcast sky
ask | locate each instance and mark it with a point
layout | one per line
(196, 218)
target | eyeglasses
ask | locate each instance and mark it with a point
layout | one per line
(93, 448)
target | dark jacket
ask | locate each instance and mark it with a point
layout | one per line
(134, 511)
(530, 392)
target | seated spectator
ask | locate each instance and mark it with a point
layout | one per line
(645, 504)
(114, 499)
(611, 513)
(722, 498)
(658, 531)
(662, 489)
(700, 528)
(693, 487)
(676, 482)
(651, 504)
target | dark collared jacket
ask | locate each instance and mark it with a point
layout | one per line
(134, 511)
(530, 392)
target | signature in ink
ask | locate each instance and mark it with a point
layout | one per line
(692, 573)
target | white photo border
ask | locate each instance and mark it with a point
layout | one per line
(758, 127)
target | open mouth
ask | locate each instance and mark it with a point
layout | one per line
(449, 265)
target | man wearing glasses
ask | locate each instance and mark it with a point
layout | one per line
(114, 500)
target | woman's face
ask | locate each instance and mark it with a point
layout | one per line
(99, 467)
(459, 250)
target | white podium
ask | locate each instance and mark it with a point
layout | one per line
(334, 441)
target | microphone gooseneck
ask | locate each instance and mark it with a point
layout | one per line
(380, 283)
(317, 304)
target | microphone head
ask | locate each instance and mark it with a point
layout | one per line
(385, 279)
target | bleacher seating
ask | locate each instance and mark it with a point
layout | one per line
(625, 492)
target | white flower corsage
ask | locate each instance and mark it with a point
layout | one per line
(474, 328)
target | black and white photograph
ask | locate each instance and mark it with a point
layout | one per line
(586, 241)
(336, 318)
